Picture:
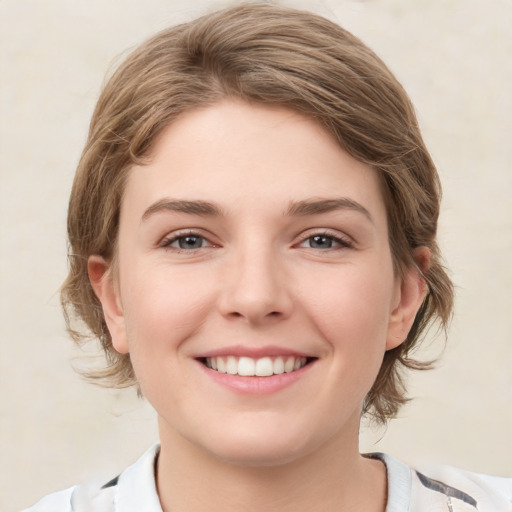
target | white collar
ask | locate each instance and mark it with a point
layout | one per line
(399, 482)
(136, 489)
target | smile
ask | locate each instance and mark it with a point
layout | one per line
(251, 367)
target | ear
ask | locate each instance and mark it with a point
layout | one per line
(102, 281)
(410, 294)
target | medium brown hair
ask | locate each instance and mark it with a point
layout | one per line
(266, 54)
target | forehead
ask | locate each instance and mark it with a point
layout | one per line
(250, 157)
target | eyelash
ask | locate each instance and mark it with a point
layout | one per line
(340, 241)
(168, 241)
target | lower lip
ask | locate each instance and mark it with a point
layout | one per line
(256, 385)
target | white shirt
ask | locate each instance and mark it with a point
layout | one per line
(438, 489)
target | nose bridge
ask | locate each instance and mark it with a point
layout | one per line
(255, 287)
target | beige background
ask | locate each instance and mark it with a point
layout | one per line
(455, 59)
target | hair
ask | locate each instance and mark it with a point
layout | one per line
(266, 54)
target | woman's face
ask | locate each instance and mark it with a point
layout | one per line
(255, 289)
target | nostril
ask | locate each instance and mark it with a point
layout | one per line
(238, 314)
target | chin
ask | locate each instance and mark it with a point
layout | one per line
(263, 447)
(259, 454)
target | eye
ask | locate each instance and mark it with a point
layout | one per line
(325, 241)
(186, 242)
(320, 242)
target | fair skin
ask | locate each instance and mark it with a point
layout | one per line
(252, 243)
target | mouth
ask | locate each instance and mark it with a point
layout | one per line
(256, 367)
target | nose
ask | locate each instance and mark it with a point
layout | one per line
(256, 287)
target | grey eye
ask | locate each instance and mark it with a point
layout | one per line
(320, 242)
(190, 242)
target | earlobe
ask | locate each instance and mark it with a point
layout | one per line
(411, 293)
(101, 278)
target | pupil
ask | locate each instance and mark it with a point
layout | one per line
(190, 242)
(321, 242)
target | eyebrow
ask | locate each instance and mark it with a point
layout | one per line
(318, 206)
(296, 208)
(203, 208)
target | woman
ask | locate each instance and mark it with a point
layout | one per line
(253, 240)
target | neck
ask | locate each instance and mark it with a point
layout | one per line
(333, 478)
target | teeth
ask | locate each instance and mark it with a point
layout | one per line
(246, 366)
(232, 365)
(221, 365)
(249, 367)
(290, 363)
(264, 367)
(279, 365)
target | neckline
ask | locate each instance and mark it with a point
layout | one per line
(399, 482)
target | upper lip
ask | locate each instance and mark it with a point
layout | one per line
(253, 352)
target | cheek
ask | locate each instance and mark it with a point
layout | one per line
(162, 311)
(352, 315)
(163, 307)
(352, 303)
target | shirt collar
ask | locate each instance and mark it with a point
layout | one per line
(399, 482)
(136, 489)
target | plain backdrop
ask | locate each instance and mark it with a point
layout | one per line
(455, 59)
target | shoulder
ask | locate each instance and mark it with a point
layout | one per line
(79, 498)
(132, 489)
(437, 487)
(56, 502)
(485, 493)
